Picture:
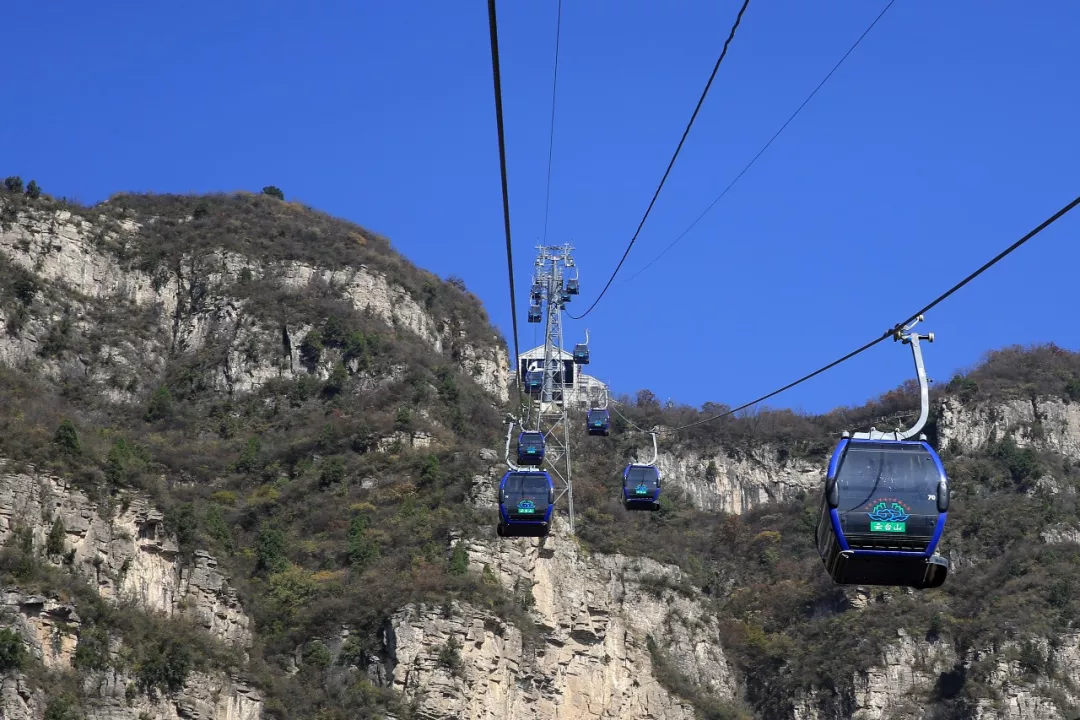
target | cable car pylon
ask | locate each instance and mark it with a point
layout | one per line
(551, 289)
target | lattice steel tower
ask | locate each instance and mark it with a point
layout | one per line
(551, 290)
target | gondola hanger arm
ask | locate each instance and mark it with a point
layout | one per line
(509, 434)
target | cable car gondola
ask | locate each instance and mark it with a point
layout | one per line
(534, 382)
(573, 286)
(535, 293)
(530, 448)
(534, 313)
(526, 496)
(598, 422)
(526, 499)
(641, 487)
(581, 354)
(641, 484)
(885, 502)
(581, 351)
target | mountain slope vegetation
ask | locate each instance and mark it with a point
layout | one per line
(331, 485)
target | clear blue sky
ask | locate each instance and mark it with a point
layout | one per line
(949, 133)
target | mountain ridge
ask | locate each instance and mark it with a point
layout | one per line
(288, 439)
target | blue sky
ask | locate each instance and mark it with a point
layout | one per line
(948, 134)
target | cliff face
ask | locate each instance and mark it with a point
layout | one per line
(589, 654)
(125, 556)
(741, 480)
(190, 302)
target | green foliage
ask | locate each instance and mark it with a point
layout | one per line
(270, 549)
(125, 463)
(332, 472)
(160, 407)
(335, 332)
(92, 652)
(54, 545)
(362, 548)
(25, 288)
(217, 528)
(966, 388)
(450, 656)
(273, 192)
(316, 656)
(65, 707)
(430, 470)
(459, 559)
(163, 665)
(182, 523)
(250, 459)
(67, 438)
(335, 384)
(13, 184)
(311, 348)
(1023, 464)
(448, 389)
(58, 339)
(12, 650)
(1072, 389)
(33, 190)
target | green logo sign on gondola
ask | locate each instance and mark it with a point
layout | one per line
(526, 507)
(888, 517)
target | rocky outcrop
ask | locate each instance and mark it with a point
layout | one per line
(18, 700)
(48, 627)
(124, 554)
(586, 657)
(913, 669)
(735, 482)
(203, 697)
(191, 301)
(1045, 423)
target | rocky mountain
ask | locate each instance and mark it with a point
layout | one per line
(247, 460)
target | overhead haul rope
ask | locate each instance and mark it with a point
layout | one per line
(551, 138)
(766, 147)
(891, 332)
(671, 164)
(497, 77)
(628, 420)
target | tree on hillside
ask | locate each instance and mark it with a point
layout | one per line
(273, 191)
(13, 184)
(33, 190)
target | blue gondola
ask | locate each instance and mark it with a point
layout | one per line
(564, 296)
(535, 293)
(573, 287)
(641, 487)
(534, 313)
(882, 514)
(534, 382)
(641, 483)
(581, 354)
(885, 502)
(599, 422)
(530, 448)
(526, 500)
